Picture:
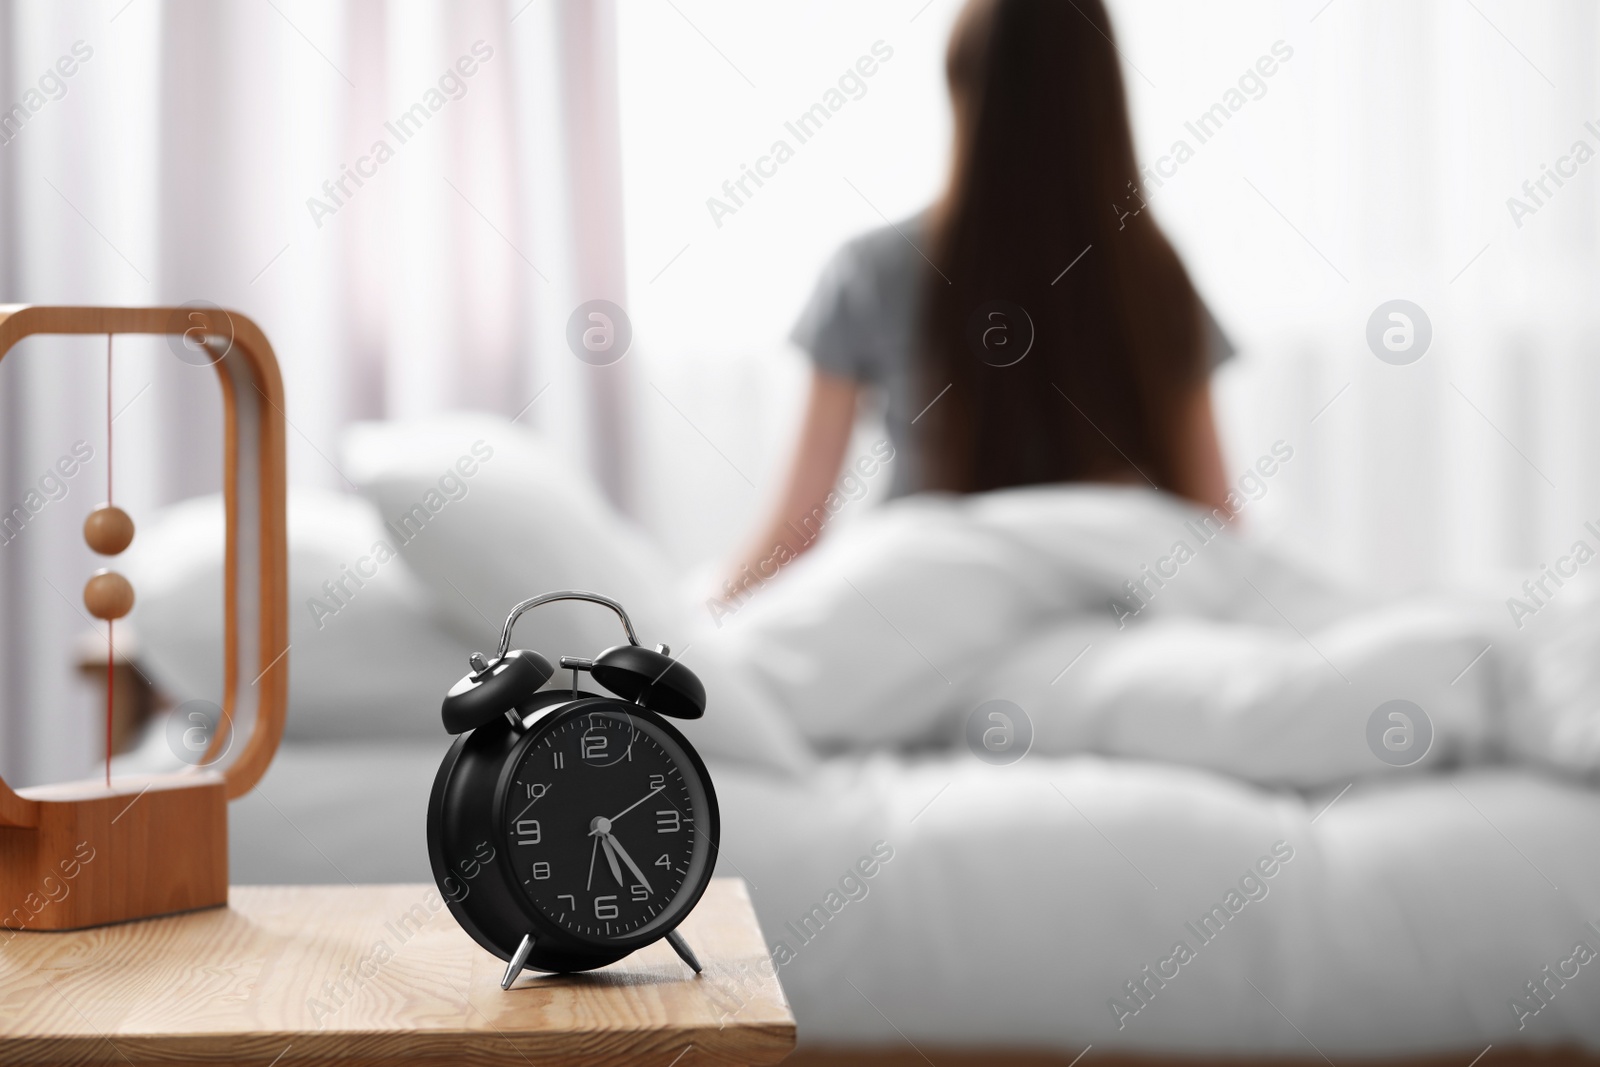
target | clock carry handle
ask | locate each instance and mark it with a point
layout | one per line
(649, 677)
(497, 685)
(564, 594)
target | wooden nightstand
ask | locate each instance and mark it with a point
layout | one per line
(369, 975)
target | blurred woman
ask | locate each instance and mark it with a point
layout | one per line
(1032, 326)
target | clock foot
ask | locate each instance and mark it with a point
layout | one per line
(519, 958)
(681, 947)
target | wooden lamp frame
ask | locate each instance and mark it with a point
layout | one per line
(82, 854)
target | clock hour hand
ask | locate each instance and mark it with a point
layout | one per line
(612, 842)
(611, 858)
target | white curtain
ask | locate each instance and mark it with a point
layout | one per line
(409, 198)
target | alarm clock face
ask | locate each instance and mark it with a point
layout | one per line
(609, 823)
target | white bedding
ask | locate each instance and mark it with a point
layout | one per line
(1019, 900)
(1239, 660)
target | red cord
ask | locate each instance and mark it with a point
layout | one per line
(111, 649)
(110, 666)
(108, 418)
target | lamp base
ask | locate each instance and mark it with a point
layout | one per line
(80, 854)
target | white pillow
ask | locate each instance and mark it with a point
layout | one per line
(487, 515)
(371, 663)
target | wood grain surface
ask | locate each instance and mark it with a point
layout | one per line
(365, 975)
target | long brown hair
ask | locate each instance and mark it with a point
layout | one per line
(1044, 172)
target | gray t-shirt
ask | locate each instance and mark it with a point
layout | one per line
(861, 323)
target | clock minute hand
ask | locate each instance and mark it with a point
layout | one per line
(612, 841)
(611, 858)
(636, 803)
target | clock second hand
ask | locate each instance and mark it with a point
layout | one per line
(589, 888)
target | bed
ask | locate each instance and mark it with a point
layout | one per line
(1131, 890)
(1024, 898)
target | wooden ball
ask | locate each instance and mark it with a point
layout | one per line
(108, 530)
(108, 595)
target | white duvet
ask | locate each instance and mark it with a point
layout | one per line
(1022, 902)
(1236, 660)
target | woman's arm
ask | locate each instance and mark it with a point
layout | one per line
(813, 467)
(1200, 476)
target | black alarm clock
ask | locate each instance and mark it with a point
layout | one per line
(566, 828)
